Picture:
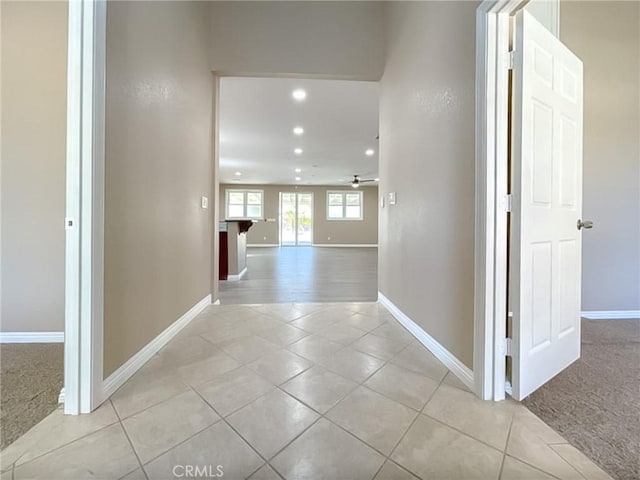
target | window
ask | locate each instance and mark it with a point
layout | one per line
(244, 204)
(344, 205)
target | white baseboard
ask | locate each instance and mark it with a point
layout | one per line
(122, 374)
(459, 369)
(31, 337)
(61, 397)
(263, 245)
(345, 245)
(233, 278)
(610, 314)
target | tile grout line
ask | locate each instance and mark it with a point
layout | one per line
(126, 434)
(411, 426)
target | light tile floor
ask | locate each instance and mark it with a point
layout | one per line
(295, 391)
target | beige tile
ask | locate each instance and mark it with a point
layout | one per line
(453, 381)
(514, 469)
(409, 388)
(235, 330)
(391, 471)
(159, 428)
(365, 323)
(314, 347)
(420, 360)
(319, 388)
(283, 335)
(485, 421)
(204, 370)
(249, 349)
(375, 419)
(280, 366)
(340, 333)
(239, 312)
(526, 418)
(135, 475)
(528, 442)
(580, 462)
(384, 348)
(217, 446)
(104, 454)
(55, 430)
(234, 390)
(265, 473)
(394, 331)
(351, 364)
(284, 312)
(316, 322)
(7, 474)
(272, 421)
(432, 450)
(184, 350)
(327, 452)
(371, 309)
(145, 390)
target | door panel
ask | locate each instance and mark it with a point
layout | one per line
(296, 218)
(547, 188)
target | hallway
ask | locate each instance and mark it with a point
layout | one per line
(296, 391)
(305, 274)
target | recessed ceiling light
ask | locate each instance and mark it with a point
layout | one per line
(298, 170)
(238, 174)
(298, 179)
(377, 179)
(299, 94)
(298, 130)
(298, 151)
(369, 152)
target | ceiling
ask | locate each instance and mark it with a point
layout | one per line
(257, 118)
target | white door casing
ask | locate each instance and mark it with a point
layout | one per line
(545, 263)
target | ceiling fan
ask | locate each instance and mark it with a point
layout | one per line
(355, 183)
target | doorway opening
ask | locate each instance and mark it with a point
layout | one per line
(296, 219)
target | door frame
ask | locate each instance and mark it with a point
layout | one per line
(296, 193)
(84, 214)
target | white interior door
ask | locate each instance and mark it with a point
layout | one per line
(547, 192)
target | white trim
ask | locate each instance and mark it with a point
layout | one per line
(84, 221)
(31, 337)
(346, 245)
(61, 396)
(122, 374)
(610, 314)
(459, 369)
(235, 278)
(254, 245)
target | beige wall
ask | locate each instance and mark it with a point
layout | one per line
(342, 232)
(427, 111)
(606, 36)
(34, 63)
(326, 39)
(158, 165)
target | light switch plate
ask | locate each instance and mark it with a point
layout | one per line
(381, 201)
(392, 198)
(204, 202)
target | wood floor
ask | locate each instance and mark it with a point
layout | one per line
(304, 275)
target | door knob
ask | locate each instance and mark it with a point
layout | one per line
(586, 224)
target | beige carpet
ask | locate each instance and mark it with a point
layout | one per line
(595, 403)
(31, 376)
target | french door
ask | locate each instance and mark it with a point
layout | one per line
(296, 218)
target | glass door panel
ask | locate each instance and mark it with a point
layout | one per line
(296, 218)
(305, 216)
(287, 218)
